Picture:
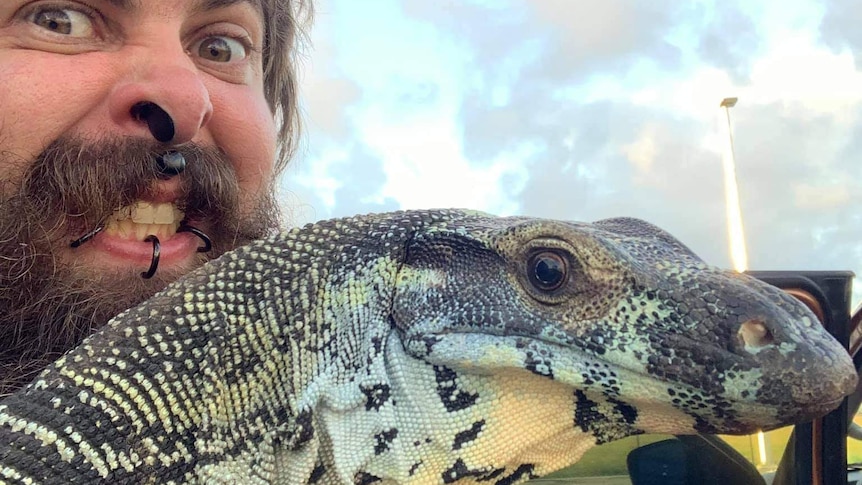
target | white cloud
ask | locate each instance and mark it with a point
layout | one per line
(552, 110)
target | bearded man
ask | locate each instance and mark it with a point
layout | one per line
(138, 139)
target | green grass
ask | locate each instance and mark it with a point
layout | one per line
(775, 440)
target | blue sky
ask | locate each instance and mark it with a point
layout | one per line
(585, 110)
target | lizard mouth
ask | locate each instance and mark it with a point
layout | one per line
(487, 354)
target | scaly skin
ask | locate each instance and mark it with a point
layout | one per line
(421, 347)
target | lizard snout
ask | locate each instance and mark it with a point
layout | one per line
(803, 368)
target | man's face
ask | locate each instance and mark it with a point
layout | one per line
(75, 75)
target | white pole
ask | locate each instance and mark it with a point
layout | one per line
(736, 232)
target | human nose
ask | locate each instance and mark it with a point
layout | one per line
(167, 100)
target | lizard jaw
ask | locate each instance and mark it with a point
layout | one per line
(736, 413)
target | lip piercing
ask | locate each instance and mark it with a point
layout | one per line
(170, 163)
(154, 264)
(86, 237)
(157, 246)
(208, 244)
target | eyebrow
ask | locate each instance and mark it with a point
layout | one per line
(216, 4)
(201, 4)
(125, 4)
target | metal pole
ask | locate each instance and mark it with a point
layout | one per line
(735, 226)
(730, 137)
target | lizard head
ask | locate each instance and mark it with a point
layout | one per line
(647, 337)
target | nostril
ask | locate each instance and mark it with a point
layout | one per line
(159, 122)
(754, 334)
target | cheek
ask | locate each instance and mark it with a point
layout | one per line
(244, 128)
(43, 96)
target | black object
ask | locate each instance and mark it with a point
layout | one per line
(86, 237)
(547, 271)
(171, 163)
(157, 246)
(158, 120)
(154, 264)
(208, 244)
(691, 460)
(660, 463)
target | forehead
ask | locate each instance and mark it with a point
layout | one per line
(197, 4)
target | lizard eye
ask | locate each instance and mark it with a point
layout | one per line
(547, 271)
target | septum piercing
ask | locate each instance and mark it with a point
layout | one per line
(170, 163)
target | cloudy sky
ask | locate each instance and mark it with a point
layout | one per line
(584, 110)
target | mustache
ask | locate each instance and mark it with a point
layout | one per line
(83, 183)
(48, 300)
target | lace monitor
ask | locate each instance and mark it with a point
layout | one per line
(422, 346)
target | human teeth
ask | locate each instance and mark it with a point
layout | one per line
(143, 219)
(141, 231)
(124, 228)
(146, 213)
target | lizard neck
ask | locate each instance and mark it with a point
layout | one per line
(323, 310)
(424, 423)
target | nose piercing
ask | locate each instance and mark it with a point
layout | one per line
(154, 264)
(208, 244)
(86, 237)
(170, 163)
(158, 120)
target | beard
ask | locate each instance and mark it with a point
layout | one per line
(48, 301)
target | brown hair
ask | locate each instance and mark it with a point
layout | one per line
(286, 23)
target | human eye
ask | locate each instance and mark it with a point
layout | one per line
(62, 20)
(222, 48)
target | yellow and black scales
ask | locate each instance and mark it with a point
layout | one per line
(427, 347)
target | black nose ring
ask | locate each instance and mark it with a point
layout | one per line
(208, 244)
(170, 163)
(159, 122)
(154, 264)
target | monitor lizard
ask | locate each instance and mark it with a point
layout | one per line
(421, 347)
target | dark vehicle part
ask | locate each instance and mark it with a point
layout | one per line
(683, 461)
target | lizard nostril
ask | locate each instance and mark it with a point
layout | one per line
(754, 334)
